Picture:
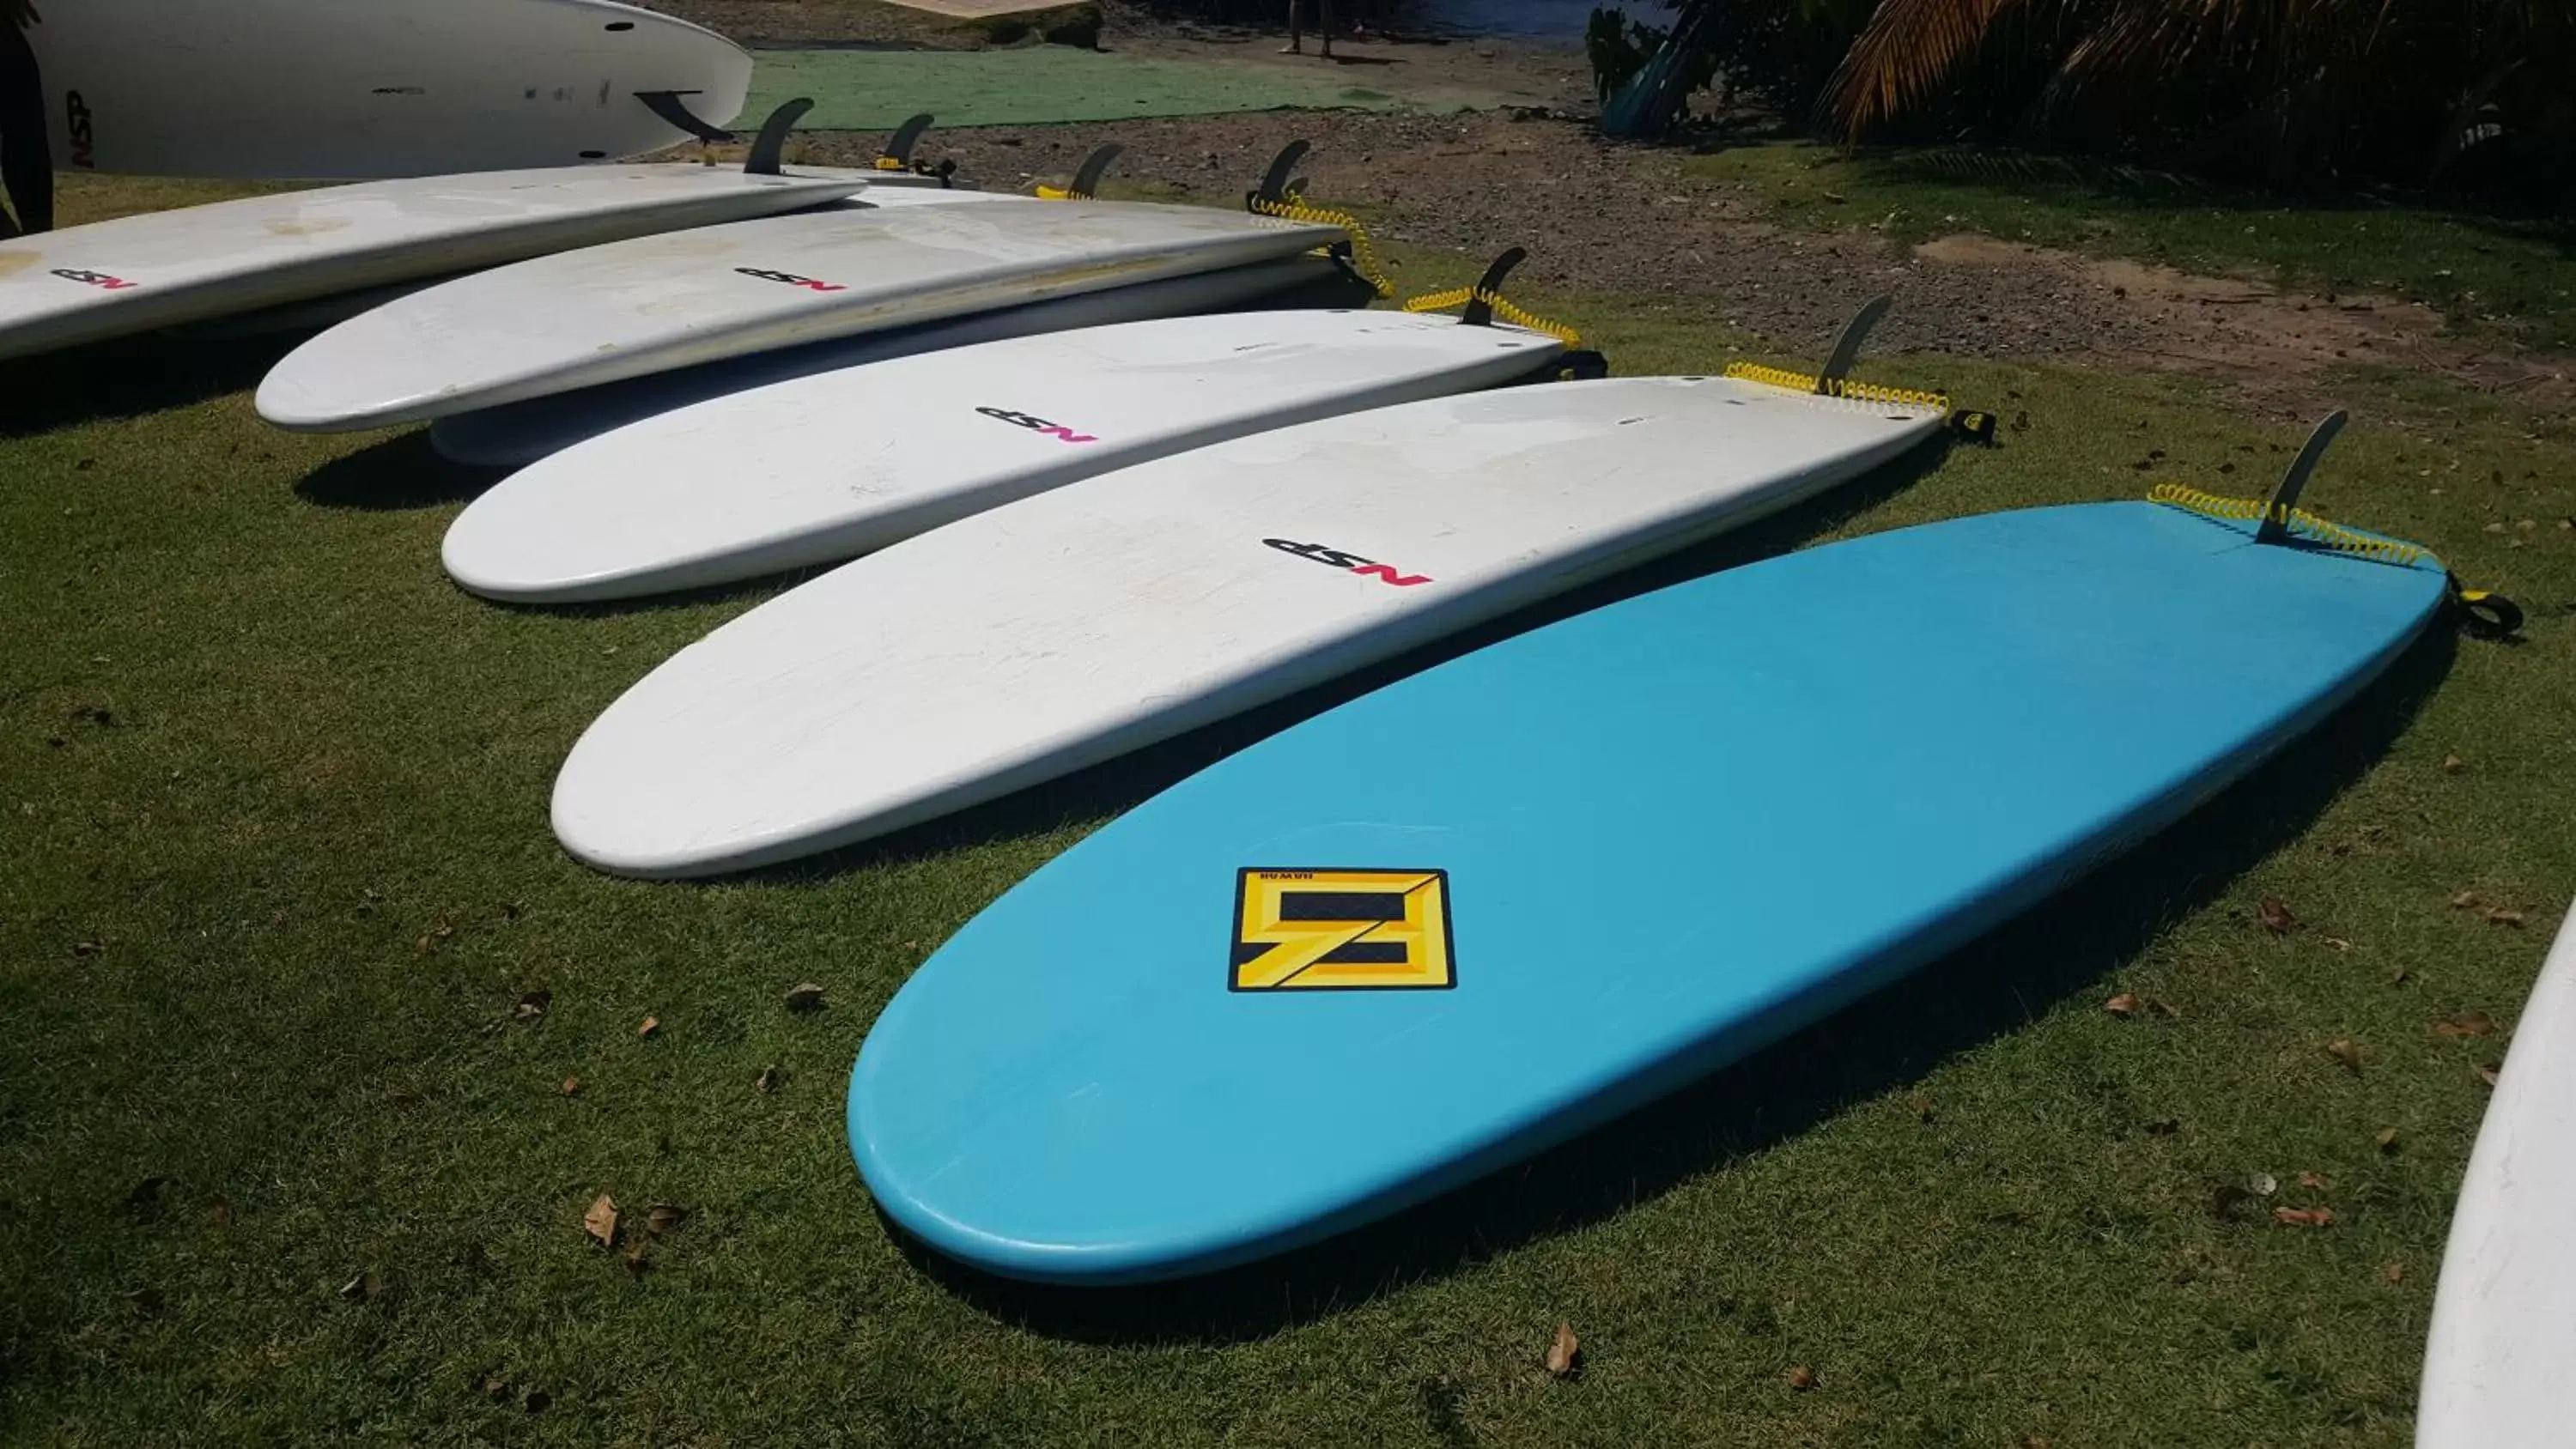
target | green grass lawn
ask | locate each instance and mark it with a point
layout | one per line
(2516, 279)
(281, 1157)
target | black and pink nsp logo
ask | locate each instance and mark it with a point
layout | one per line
(791, 279)
(1057, 431)
(1367, 568)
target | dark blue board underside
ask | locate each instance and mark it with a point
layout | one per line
(1665, 832)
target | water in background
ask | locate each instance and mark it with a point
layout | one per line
(1559, 20)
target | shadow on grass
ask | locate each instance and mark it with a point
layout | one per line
(401, 472)
(2082, 181)
(1111, 787)
(128, 377)
(1990, 987)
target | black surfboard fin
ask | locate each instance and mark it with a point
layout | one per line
(1275, 186)
(2276, 513)
(765, 147)
(897, 155)
(1086, 177)
(1847, 347)
(1480, 313)
(669, 106)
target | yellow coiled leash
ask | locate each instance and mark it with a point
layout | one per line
(1501, 306)
(1845, 387)
(2484, 613)
(2302, 524)
(1362, 253)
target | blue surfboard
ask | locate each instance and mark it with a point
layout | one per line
(1457, 920)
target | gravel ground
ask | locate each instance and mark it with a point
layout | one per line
(1604, 217)
(1600, 216)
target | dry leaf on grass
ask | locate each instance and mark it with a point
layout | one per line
(2304, 1217)
(1802, 1378)
(571, 1085)
(2265, 1184)
(651, 1024)
(2312, 1180)
(2123, 1004)
(662, 1217)
(1565, 1353)
(769, 1080)
(807, 996)
(2487, 1072)
(601, 1221)
(2346, 1053)
(2467, 1023)
(2276, 916)
(2451, 764)
(533, 1005)
(2464, 900)
(2385, 1140)
(364, 1288)
(2340, 946)
(2394, 1272)
(635, 1260)
(2504, 916)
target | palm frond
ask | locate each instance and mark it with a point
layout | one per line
(1902, 57)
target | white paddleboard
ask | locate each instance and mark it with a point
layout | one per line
(514, 435)
(578, 319)
(1068, 628)
(776, 478)
(84, 283)
(2504, 1315)
(348, 89)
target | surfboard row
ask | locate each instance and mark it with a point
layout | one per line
(1449, 922)
(1065, 515)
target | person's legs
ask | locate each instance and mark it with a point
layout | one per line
(1324, 26)
(26, 168)
(1296, 41)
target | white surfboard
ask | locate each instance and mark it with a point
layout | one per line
(601, 314)
(1068, 628)
(515, 435)
(2504, 1315)
(108, 278)
(776, 478)
(351, 89)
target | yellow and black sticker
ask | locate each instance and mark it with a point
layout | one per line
(1341, 930)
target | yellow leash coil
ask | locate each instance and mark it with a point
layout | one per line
(1363, 254)
(1503, 307)
(2487, 614)
(1845, 387)
(2305, 524)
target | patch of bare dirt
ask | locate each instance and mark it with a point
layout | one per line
(1600, 216)
(2261, 336)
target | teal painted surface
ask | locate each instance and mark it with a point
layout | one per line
(1673, 829)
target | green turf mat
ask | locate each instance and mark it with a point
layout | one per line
(872, 90)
